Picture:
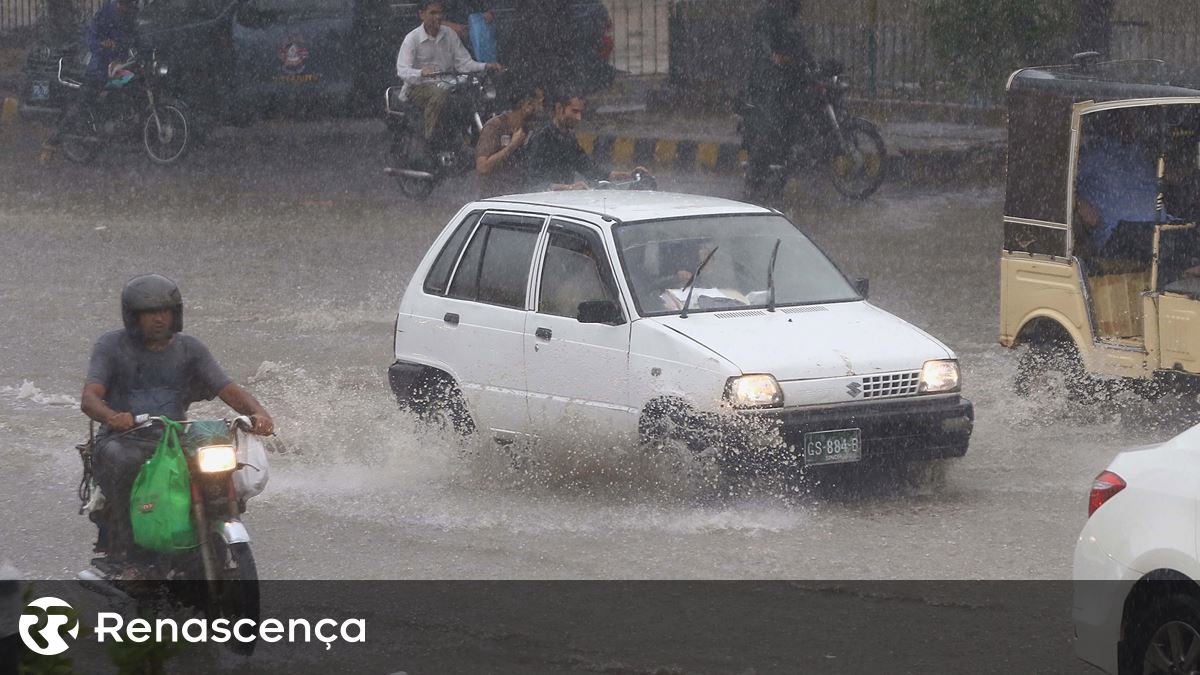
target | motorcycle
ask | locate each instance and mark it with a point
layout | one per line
(417, 167)
(227, 466)
(824, 135)
(133, 102)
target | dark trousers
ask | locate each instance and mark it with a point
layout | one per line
(85, 99)
(116, 463)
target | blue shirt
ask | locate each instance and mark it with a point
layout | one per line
(1120, 180)
(109, 24)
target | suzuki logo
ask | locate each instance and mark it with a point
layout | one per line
(854, 388)
(43, 623)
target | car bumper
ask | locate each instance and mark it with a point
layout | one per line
(1100, 589)
(920, 427)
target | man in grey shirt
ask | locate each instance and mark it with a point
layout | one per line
(147, 368)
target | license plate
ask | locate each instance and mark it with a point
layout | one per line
(832, 447)
(39, 90)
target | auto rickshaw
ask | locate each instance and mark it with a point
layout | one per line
(1100, 268)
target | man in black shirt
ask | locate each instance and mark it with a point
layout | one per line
(553, 157)
(147, 368)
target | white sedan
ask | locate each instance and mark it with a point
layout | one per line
(1137, 604)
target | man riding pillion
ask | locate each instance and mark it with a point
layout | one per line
(149, 367)
(778, 79)
(110, 35)
(429, 50)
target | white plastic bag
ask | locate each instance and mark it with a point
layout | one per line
(252, 477)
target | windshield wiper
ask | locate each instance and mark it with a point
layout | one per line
(771, 277)
(692, 284)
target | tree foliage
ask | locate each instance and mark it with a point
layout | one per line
(979, 43)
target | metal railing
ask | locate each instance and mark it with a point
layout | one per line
(20, 15)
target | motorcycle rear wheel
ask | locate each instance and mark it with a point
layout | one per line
(415, 188)
(81, 143)
(857, 169)
(168, 140)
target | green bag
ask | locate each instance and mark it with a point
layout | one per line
(160, 505)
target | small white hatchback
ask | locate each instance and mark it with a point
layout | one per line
(618, 317)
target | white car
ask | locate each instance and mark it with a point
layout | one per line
(561, 315)
(1136, 602)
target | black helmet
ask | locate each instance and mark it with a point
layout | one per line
(149, 292)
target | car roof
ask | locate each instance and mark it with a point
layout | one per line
(630, 205)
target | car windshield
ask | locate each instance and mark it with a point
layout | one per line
(661, 256)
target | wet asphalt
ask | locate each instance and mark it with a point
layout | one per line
(292, 253)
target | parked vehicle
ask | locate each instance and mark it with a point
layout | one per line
(1083, 316)
(241, 59)
(416, 166)
(1137, 604)
(848, 149)
(134, 105)
(620, 318)
(227, 467)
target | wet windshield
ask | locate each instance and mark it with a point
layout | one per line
(660, 258)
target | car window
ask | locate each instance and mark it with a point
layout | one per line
(495, 267)
(439, 274)
(660, 257)
(574, 271)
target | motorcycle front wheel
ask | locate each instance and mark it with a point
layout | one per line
(856, 169)
(167, 139)
(237, 592)
(81, 142)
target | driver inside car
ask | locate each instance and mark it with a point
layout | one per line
(429, 50)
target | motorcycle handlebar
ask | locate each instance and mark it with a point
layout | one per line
(243, 422)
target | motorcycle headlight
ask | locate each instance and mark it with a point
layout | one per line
(216, 458)
(753, 391)
(939, 377)
(161, 69)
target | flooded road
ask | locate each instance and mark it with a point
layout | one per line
(292, 255)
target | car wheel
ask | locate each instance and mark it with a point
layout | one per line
(441, 408)
(1054, 370)
(1166, 639)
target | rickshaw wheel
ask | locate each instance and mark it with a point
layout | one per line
(1054, 367)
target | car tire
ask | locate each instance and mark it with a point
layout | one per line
(1162, 637)
(1054, 368)
(440, 407)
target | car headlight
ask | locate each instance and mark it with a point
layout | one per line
(216, 458)
(753, 391)
(939, 376)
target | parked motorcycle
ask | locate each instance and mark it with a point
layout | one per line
(849, 149)
(133, 103)
(227, 466)
(417, 167)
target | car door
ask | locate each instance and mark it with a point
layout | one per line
(576, 372)
(192, 38)
(486, 308)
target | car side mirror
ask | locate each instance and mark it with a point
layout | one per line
(600, 311)
(862, 286)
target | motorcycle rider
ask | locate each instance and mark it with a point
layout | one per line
(148, 367)
(779, 76)
(553, 156)
(500, 141)
(110, 35)
(428, 50)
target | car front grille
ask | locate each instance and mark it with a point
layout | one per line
(888, 385)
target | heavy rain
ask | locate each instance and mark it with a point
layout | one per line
(293, 248)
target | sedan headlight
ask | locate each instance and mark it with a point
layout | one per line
(939, 377)
(216, 458)
(753, 391)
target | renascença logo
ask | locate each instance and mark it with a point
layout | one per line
(43, 624)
